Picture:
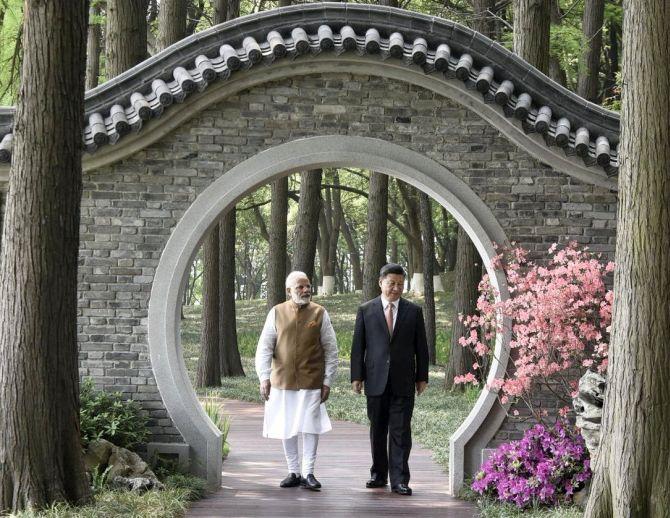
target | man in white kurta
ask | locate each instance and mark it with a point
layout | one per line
(296, 362)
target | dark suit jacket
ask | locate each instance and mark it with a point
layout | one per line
(377, 358)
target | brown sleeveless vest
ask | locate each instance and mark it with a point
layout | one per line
(298, 360)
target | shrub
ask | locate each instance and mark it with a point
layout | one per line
(104, 415)
(213, 409)
(546, 467)
(559, 314)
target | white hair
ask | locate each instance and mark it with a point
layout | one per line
(294, 276)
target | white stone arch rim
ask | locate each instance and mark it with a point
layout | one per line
(299, 155)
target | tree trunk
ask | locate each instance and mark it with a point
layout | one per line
(354, 252)
(306, 227)
(409, 197)
(390, 3)
(278, 240)
(126, 35)
(632, 476)
(428, 271)
(171, 22)
(209, 364)
(93, 48)
(612, 59)
(233, 9)
(483, 20)
(531, 32)
(556, 71)
(468, 274)
(231, 364)
(374, 256)
(589, 64)
(41, 458)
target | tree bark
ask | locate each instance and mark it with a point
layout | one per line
(531, 32)
(93, 48)
(306, 227)
(209, 364)
(468, 274)
(428, 271)
(483, 21)
(589, 64)
(374, 256)
(632, 476)
(409, 197)
(354, 252)
(171, 22)
(614, 33)
(41, 458)
(231, 363)
(126, 35)
(278, 241)
(556, 71)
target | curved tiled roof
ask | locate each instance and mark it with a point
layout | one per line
(432, 45)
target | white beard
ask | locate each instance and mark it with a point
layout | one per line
(299, 300)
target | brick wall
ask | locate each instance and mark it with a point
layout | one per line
(129, 209)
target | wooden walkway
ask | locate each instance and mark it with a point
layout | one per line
(255, 465)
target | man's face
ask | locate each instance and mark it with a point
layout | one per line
(301, 291)
(392, 286)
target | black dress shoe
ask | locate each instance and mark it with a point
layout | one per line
(402, 489)
(309, 482)
(292, 480)
(375, 482)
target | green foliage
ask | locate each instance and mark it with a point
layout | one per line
(170, 503)
(193, 487)
(11, 18)
(99, 479)
(108, 416)
(214, 410)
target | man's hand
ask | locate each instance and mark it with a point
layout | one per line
(420, 387)
(265, 389)
(325, 392)
(357, 386)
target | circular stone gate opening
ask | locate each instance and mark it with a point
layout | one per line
(468, 209)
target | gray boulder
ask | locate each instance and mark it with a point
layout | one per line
(125, 469)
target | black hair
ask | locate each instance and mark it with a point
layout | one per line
(391, 268)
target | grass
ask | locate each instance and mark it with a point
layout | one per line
(172, 502)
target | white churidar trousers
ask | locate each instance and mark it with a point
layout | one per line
(309, 443)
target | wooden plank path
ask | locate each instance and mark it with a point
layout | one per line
(255, 465)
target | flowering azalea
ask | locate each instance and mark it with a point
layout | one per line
(560, 314)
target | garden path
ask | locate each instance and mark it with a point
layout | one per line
(254, 467)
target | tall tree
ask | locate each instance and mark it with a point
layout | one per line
(483, 20)
(374, 256)
(556, 71)
(306, 226)
(589, 64)
(93, 47)
(531, 32)
(40, 447)
(468, 274)
(209, 364)
(352, 245)
(277, 262)
(171, 22)
(229, 355)
(631, 475)
(126, 35)
(329, 231)
(415, 246)
(428, 270)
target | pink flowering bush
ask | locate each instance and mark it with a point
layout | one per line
(546, 467)
(560, 314)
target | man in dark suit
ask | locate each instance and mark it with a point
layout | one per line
(389, 354)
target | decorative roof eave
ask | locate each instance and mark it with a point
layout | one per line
(437, 48)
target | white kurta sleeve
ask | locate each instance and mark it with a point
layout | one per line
(266, 347)
(329, 342)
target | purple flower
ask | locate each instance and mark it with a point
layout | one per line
(546, 466)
